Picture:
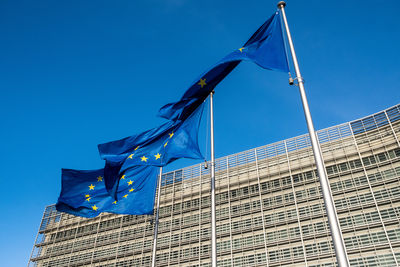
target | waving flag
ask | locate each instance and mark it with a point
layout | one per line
(84, 194)
(155, 147)
(266, 48)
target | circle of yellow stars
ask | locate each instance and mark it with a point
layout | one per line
(171, 134)
(100, 179)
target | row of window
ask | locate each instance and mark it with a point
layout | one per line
(77, 245)
(385, 260)
(374, 121)
(357, 200)
(369, 218)
(109, 252)
(184, 253)
(374, 138)
(258, 259)
(142, 261)
(371, 239)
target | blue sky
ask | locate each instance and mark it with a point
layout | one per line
(77, 73)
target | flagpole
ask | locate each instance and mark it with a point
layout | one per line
(213, 217)
(334, 226)
(153, 258)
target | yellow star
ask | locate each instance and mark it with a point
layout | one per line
(130, 182)
(115, 202)
(91, 187)
(157, 156)
(87, 195)
(125, 196)
(88, 199)
(130, 190)
(144, 159)
(171, 134)
(202, 82)
(122, 177)
(99, 179)
(166, 144)
(137, 148)
(94, 207)
(130, 156)
(241, 49)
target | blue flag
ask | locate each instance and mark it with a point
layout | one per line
(266, 48)
(84, 194)
(155, 147)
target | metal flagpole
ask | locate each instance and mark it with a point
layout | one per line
(213, 217)
(336, 233)
(153, 258)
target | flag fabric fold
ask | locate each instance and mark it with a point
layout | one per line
(156, 147)
(266, 48)
(84, 194)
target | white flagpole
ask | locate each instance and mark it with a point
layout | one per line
(153, 258)
(213, 217)
(334, 226)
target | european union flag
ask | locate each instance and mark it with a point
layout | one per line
(84, 194)
(266, 48)
(156, 147)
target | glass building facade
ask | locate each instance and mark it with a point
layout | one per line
(270, 211)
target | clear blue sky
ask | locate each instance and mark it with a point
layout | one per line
(77, 73)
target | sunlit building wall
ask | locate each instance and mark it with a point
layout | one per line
(270, 210)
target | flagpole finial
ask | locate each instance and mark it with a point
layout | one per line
(281, 4)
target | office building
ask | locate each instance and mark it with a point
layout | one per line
(270, 211)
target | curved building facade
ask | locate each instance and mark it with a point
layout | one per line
(270, 211)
